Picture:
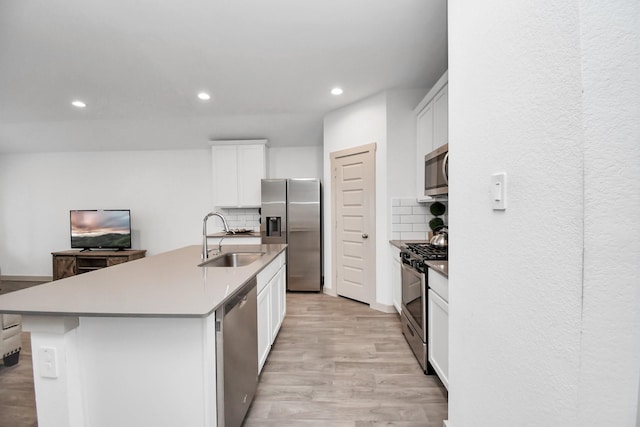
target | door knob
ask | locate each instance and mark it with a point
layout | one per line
(365, 236)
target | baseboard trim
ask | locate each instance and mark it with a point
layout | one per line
(385, 308)
(330, 291)
(27, 278)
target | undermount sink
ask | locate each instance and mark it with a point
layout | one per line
(232, 259)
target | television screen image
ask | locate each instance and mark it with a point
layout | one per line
(101, 229)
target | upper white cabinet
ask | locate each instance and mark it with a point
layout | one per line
(432, 120)
(238, 167)
(441, 117)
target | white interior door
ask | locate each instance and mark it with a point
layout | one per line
(354, 223)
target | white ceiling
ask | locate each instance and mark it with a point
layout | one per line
(138, 64)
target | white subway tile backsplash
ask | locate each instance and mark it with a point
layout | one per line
(421, 227)
(408, 202)
(401, 227)
(419, 210)
(410, 219)
(413, 235)
(401, 210)
(242, 218)
(413, 219)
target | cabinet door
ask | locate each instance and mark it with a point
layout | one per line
(396, 278)
(115, 260)
(441, 118)
(224, 160)
(424, 137)
(251, 169)
(282, 284)
(264, 327)
(276, 302)
(64, 266)
(439, 336)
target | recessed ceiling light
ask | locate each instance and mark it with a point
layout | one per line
(78, 104)
(336, 91)
(204, 96)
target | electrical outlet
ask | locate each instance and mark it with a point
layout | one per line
(48, 362)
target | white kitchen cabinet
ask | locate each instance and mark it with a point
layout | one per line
(432, 131)
(438, 334)
(271, 306)
(264, 327)
(277, 292)
(237, 171)
(396, 278)
(441, 117)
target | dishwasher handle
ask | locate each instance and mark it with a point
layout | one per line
(240, 300)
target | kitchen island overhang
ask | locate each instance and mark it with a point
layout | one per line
(137, 343)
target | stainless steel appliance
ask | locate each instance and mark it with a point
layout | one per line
(436, 172)
(237, 355)
(292, 214)
(414, 296)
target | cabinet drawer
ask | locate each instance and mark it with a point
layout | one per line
(439, 284)
(270, 270)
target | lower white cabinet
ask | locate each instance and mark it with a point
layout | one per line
(438, 312)
(264, 334)
(271, 306)
(277, 302)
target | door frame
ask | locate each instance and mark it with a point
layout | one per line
(370, 151)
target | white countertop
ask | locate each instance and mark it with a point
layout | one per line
(166, 285)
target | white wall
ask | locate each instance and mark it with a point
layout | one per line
(388, 120)
(168, 193)
(540, 335)
(294, 162)
(610, 362)
(364, 122)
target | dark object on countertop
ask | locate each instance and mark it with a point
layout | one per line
(239, 231)
(437, 208)
(436, 223)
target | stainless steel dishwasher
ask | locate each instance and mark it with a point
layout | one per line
(237, 355)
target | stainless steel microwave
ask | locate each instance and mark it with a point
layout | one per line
(436, 172)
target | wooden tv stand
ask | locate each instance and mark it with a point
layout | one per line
(70, 263)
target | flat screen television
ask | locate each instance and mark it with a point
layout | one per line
(101, 229)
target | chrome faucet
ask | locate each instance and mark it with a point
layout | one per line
(205, 247)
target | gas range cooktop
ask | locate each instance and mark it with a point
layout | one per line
(427, 251)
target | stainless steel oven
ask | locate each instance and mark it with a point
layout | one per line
(413, 317)
(414, 306)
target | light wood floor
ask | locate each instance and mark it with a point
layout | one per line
(17, 397)
(339, 363)
(335, 363)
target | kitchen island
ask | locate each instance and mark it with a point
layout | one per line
(133, 344)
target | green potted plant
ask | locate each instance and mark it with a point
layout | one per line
(437, 209)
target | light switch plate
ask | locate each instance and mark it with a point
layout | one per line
(48, 362)
(499, 191)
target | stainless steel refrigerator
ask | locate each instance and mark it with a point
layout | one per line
(292, 214)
